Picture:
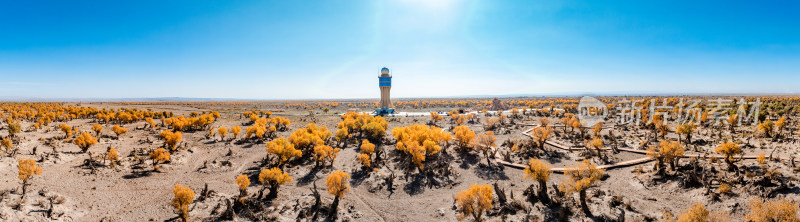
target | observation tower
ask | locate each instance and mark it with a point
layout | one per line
(385, 84)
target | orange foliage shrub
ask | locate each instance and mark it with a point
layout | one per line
(158, 155)
(420, 141)
(323, 153)
(539, 171)
(435, 118)
(686, 130)
(181, 123)
(84, 141)
(283, 150)
(541, 134)
(119, 130)
(183, 198)
(474, 201)
(698, 212)
(6, 144)
(150, 122)
(367, 149)
(97, 128)
(273, 177)
(112, 156)
(235, 131)
(581, 177)
(773, 210)
(338, 184)
(309, 137)
(242, 181)
(14, 127)
(222, 131)
(360, 125)
(729, 149)
(27, 169)
(485, 143)
(260, 129)
(341, 136)
(280, 123)
(766, 128)
(66, 129)
(464, 136)
(666, 152)
(171, 139)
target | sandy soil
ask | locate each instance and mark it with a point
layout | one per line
(127, 193)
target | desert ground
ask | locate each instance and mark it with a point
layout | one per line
(660, 168)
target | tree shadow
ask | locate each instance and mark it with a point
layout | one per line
(250, 145)
(358, 177)
(311, 176)
(468, 159)
(72, 152)
(554, 156)
(493, 172)
(416, 186)
(138, 174)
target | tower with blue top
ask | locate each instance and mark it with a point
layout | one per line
(385, 84)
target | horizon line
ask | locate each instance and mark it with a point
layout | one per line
(199, 99)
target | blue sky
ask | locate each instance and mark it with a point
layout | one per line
(435, 48)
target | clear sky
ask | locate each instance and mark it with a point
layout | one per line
(435, 48)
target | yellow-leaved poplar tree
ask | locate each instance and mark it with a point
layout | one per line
(464, 136)
(112, 156)
(97, 128)
(365, 157)
(222, 131)
(283, 150)
(685, 130)
(66, 129)
(338, 183)
(274, 177)
(307, 138)
(667, 152)
(242, 181)
(772, 210)
(183, 198)
(541, 134)
(6, 143)
(698, 212)
(435, 118)
(171, 139)
(539, 171)
(729, 149)
(766, 128)
(235, 131)
(420, 141)
(581, 177)
(159, 156)
(150, 122)
(84, 141)
(780, 124)
(27, 169)
(341, 136)
(485, 143)
(474, 201)
(118, 130)
(325, 153)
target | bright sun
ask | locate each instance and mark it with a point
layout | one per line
(431, 4)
